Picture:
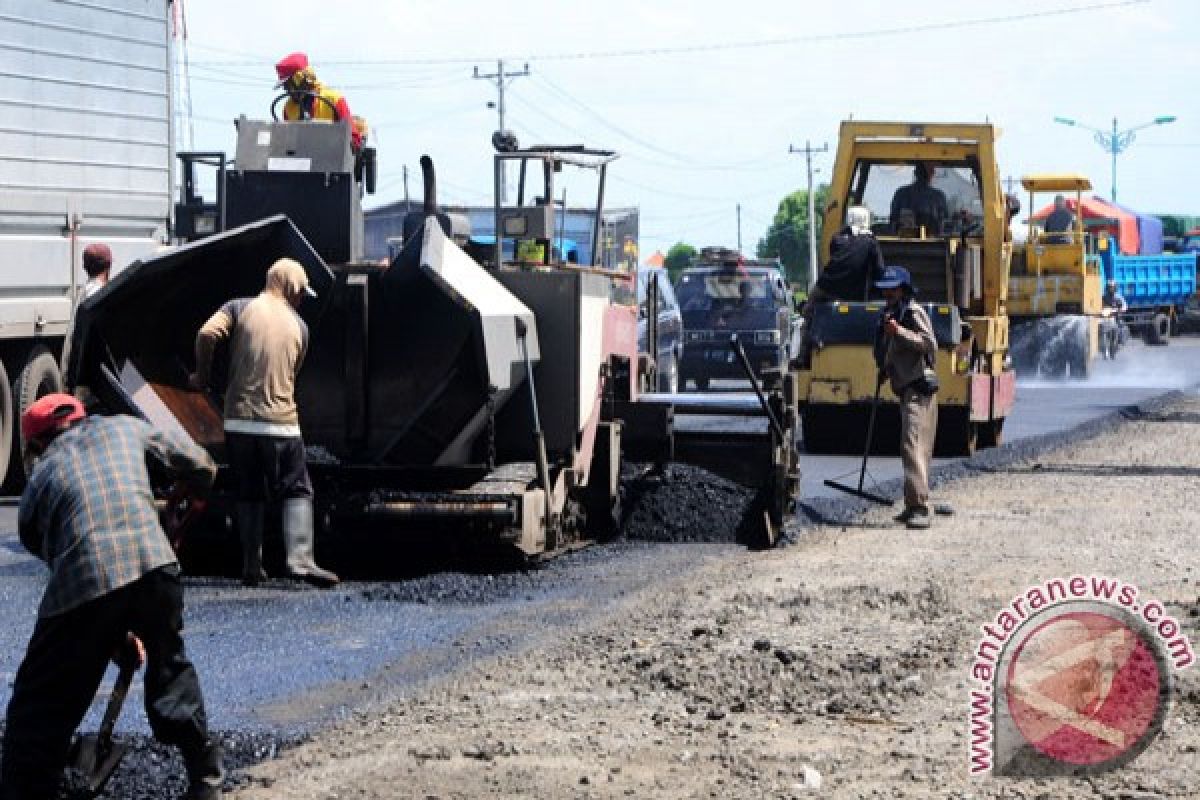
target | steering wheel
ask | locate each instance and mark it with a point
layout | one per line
(305, 94)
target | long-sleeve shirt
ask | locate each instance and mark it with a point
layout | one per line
(267, 343)
(913, 347)
(855, 262)
(88, 510)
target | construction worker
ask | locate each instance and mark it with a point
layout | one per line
(113, 592)
(855, 263)
(926, 204)
(308, 98)
(267, 342)
(97, 263)
(905, 347)
(1058, 222)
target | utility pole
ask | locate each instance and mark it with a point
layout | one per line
(808, 151)
(739, 218)
(501, 79)
(406, 206)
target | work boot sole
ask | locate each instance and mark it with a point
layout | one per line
(918, 523)
(319, 581)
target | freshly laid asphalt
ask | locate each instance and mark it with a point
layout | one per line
(285, 659)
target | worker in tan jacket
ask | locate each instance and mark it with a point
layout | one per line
(267, 342)
(905, 348)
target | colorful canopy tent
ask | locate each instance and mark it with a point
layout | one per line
(656, 260)
(1150, 232)
(1100, 215)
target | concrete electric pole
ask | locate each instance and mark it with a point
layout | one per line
(808, 151)
(501, 79)
(739, 221)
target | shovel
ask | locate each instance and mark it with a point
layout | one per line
(859, 491)
(96, 755)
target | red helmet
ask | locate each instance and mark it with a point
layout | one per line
(289, 65)
(52, 412)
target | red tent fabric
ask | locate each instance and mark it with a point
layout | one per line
(656, 260)
(1099, 215)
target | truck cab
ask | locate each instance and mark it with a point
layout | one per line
(724, 294)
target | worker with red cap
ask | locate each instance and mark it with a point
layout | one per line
(97, 263)
(114, 592)
(308, 98)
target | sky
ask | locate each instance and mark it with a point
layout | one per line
(703, 99)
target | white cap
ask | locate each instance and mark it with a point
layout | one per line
(859, 219)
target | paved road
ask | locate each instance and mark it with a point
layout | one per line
(284, 659)
(1043, 406)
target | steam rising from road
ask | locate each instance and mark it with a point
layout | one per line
(1137, 366)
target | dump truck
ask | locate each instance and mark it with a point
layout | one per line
(959, 265)
(87, 158)
(441, 393)
(1054, 288)
(1156, 287)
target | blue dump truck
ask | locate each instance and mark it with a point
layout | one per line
(1155, 287)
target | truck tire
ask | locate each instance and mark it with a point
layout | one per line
(39, 376)
(1159, 330)
(8, 423)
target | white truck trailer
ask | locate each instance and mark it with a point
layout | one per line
(86, 156)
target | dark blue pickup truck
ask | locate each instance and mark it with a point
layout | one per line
(726, 294)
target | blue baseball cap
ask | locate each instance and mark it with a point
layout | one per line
(894, 277)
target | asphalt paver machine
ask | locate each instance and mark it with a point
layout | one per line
(441, 392)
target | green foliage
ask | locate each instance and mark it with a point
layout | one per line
(787, 238)
(679, 258)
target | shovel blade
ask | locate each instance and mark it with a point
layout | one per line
(95, 759)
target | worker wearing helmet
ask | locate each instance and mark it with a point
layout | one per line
(905, 347)
(114, 592)
(308, 98)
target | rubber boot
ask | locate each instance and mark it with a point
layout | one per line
(205, 772)
(298, 538)
(250, 528)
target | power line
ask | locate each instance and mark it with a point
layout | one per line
(820, 38)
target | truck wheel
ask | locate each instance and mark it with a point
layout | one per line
(702, 384)
(1159, 330)
(8, 423)
(39, 377)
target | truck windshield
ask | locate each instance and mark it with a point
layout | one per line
(957, 184)
(706, 290)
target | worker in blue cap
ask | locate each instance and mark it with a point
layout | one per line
(905, 347)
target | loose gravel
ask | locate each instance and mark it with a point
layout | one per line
(835, 667)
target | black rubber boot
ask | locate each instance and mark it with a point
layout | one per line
(298, 538)
(250, 528)
(206, 773)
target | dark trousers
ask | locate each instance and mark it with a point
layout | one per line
(267, 468)
(67, 656)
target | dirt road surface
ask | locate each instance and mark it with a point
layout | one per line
(837, 667)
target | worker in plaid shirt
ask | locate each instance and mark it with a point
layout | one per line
(114, 591)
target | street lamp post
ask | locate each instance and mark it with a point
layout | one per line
(1115, 142)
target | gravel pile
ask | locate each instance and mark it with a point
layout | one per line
(685, 504)
(151, 770)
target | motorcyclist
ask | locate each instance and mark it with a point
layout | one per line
(1112, 330)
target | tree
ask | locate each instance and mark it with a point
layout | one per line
(679, 258)
(787, 238)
